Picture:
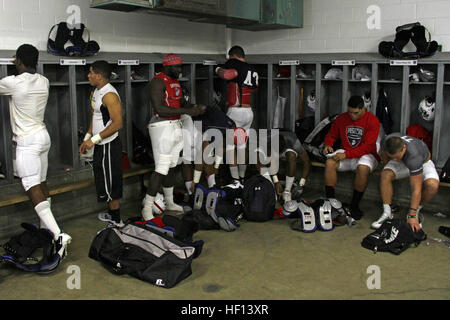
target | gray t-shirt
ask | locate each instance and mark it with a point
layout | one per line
(416, 153)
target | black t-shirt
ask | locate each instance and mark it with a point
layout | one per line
(247, 74)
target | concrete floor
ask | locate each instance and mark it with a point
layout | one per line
(258, 261)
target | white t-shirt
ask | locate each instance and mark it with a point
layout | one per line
(101, 118)
(28, 95)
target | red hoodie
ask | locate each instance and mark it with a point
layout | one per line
(357, 137)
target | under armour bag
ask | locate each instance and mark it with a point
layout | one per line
(445, 173)
(258, 199)
(33, 250)
(393, 236)
(313, 143)
(143, 253)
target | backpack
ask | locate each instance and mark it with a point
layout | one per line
(144, 253)
(79, 48)
(33, 250)
(258, 199)
(384, 111)
(414, 32)
(393, 236)
(445, 173)
(313, 143)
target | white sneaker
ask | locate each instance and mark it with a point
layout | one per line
(286, 196)
(174, 207)
(106, 217)
(61, 244)
(377, 224)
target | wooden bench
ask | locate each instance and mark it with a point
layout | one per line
(322, 165)
(67, 187)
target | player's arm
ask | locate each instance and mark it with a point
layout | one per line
(226, 74)
(156, 92)
(416, 195)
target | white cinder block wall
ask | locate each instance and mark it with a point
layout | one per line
(329, 26)
(29, 21)
(341, 26)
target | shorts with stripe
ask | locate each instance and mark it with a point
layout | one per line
(108, 170)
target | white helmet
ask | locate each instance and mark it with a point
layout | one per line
(334, 74)
(159, 205)
(426, 109)
(362, 73)
(311, 101)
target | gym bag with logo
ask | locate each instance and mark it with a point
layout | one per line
(144, 253)
(393, 236)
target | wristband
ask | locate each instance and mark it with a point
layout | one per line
(275, 179)
(302, 182)
(96, 139)
(197, 176)
(87, 136)
(412, 216)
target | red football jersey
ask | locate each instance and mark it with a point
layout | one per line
(172, 95)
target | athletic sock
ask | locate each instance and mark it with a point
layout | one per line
(234, 172)
(357, 196)
(168, 195)
(330, 192)
(188, 185)
(289, 182)
(387, 209)
(147, 211)
(45, 214)
(42, 223)
(211, 180)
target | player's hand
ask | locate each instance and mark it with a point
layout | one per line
(197, 110)
(279, 188)
(86, 145)
(339, 156)
(414, 223)
(327, 150)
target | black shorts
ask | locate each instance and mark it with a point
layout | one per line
(108, 170)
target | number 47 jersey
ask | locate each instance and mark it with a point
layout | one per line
(240, 89)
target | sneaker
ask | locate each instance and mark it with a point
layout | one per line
(355, 213)
(174, 207)
(61, 245)
(377, 224)
(106, 217)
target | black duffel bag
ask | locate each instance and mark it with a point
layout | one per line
(144, 253)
